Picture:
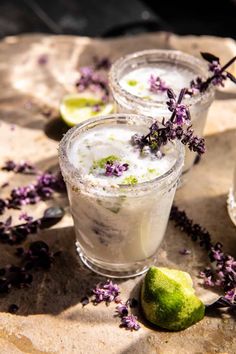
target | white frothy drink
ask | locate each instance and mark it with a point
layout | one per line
(119, 221)
(137, 81)
(130, 85)
(94, 148)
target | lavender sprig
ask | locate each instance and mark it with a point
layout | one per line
(174, 128)
(223, 274)
(46, 184)
(220, 74)
(16, 234)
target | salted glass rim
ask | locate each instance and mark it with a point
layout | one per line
(74, 177)
(168, 55)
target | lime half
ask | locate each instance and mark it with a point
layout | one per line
(75, 108)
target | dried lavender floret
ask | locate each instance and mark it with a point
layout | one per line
(130, 322)
(107, 292)
(114, 168)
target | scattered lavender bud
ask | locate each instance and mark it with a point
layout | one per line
(43, 59)
(122, 310)
(24, 216)
(84, 301)
(184, 251)
(107, 292)
(130, 322)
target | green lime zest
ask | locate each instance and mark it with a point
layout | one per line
(102, 162)
(132, 82)
(130, 180)
(152, 170)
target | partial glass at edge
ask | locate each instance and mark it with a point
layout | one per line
(118, 232)
(128, 103)
(231, 202)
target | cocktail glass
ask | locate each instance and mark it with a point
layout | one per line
(118, 230)
(183, 63)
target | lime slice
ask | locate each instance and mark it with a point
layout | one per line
(75, 108)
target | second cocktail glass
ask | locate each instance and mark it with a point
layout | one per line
(129, 77)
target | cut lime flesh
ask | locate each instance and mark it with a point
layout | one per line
(75, 108)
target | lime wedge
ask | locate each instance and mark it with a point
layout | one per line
(75, 108)
(168, 299)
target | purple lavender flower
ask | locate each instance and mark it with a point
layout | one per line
(22, 167)
(89, 79)
(43, 59)
(96, 108)
(130, 322)
(24, 216)
(107, 292)
(114, 168)
(156, 84)
(223, 274)
(173, 128)
(122, 310)
(217, 79)
(102, 63)
(219, 76)
(195, 86)
(42, 189)
(180, 112)
(231, 295)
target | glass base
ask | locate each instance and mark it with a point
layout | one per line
(128, 270)
(231, 206)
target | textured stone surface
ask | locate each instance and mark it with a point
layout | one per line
(50, 317)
